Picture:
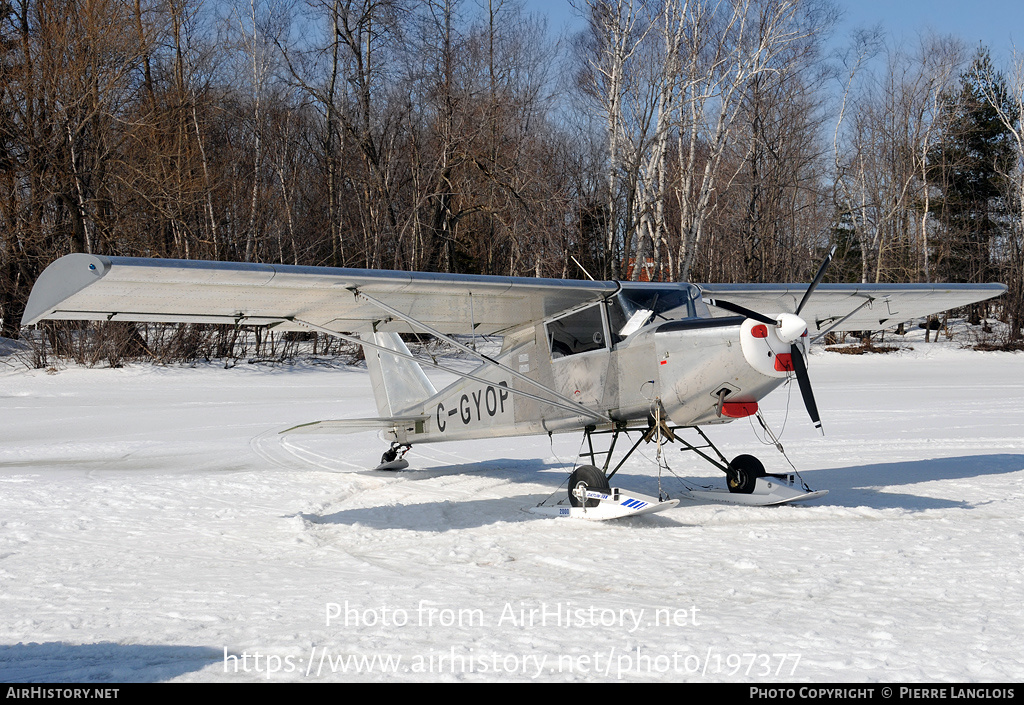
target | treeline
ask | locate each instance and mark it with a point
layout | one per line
(672, 139)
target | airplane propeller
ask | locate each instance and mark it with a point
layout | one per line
(789, 329)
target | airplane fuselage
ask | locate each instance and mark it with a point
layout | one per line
(695, 370)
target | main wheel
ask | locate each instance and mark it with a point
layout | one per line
(743, 473)
(591, 478)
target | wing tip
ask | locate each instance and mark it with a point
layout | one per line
(61, 280)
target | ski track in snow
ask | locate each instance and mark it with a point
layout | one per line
(155, 526)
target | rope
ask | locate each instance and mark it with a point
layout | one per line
(564, 483)
(778, 446)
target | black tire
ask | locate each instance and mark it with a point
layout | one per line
(743, 473)
(593, 479)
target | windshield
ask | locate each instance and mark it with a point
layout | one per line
(668, 302)
(661, 299)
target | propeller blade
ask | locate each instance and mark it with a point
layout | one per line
(800, 367)
(741, 310)
(817, 279)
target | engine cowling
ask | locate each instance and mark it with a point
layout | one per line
(767, 348)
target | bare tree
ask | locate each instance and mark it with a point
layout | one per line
(617, 30)
(1010, 109)
(882, 174)
(728, 46)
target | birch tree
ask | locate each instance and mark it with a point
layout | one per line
(728, 45)
(618, 29)
(882, 157)
(652, 182)
(1009, 107)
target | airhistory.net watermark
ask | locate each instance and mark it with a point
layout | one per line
(610, 663)
(543, 614)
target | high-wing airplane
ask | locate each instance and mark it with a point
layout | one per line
(603, 357)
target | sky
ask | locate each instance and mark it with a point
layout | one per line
(993, 22)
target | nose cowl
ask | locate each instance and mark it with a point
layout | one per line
(768, 349)
(790, 327)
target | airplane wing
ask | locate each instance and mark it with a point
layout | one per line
(845, 307)
(92, 287)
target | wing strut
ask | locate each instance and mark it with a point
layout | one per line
(571, 406)
(566, 401)
(825, 332)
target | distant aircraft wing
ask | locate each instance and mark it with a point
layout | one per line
(844, 307)
(92, 287)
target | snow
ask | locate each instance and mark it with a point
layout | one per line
(154, 526)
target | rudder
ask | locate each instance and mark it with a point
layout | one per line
(398, 382)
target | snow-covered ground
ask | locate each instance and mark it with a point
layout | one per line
(154, 526)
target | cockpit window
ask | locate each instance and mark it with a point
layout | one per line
(636, 305)
(660, 300)
(578, 332)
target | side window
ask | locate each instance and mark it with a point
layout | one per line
(578, 332)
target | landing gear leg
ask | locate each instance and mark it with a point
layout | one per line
(741, 473)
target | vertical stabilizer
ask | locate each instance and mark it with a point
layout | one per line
(398, 383)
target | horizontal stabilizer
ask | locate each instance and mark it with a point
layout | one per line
(335, 426)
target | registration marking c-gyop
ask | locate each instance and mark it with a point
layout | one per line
(473, 406)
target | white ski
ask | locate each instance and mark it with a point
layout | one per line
(768, 490)
(616, 505)
(394, 465)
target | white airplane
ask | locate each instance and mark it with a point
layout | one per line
(603, 357)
